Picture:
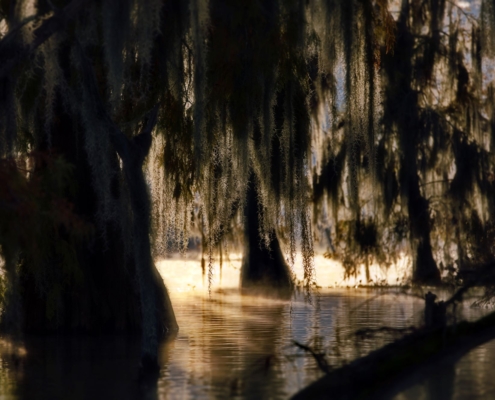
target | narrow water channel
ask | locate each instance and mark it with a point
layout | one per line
(235, 347)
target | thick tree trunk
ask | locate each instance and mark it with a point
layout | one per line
(106, 298)
(403, 111)
(102, 296)
(156, 309)
(157, 314)
(264, 270)
(425, 270)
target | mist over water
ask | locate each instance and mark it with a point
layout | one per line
(234, 346)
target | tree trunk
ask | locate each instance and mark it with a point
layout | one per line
(157, 314)
(425, 270)
(264, 270)
(105, 298)
(158, 317)
(402, 110)
(102, 297)
(115, 293)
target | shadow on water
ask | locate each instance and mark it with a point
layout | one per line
(236, 347)
(440, 385)
(261, 365)
(228, 347)
(75, 367)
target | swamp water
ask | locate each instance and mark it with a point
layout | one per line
(233, 346)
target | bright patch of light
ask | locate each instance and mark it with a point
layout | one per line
(185, 276)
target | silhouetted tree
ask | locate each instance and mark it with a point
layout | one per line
(376, 104)
(419, 167)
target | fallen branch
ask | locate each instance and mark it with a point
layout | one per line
(393, 368)
(369, 332)
(319, 357)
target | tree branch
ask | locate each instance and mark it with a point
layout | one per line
(142, 142)
(319, 357)
(11, 57)
(398, 365)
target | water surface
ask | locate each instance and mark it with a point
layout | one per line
(233, 346)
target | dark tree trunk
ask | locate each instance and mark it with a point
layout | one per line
(402, 111)
(115, 293)
(264, 270)
(157, 315)
(103, 298)
(425, 270)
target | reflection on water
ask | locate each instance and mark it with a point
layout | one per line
(232, 346)
(227, 348)
(70, 368)
(470, 378)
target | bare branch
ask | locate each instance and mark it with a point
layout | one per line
(319, 357)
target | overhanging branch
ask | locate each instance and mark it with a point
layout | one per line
(11, 56)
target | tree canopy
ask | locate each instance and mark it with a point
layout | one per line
(368, 118)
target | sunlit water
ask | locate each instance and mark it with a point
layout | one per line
(239, 347)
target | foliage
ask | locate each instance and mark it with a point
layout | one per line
(427, 158)
(378, 115)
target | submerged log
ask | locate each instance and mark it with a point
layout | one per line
(388, 371)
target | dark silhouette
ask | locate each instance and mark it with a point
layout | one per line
(264, 270)
(118, 118)
(407, 361)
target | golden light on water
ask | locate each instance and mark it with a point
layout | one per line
(230, 344)
(8, 347)
(235, 346)
(184, 275)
